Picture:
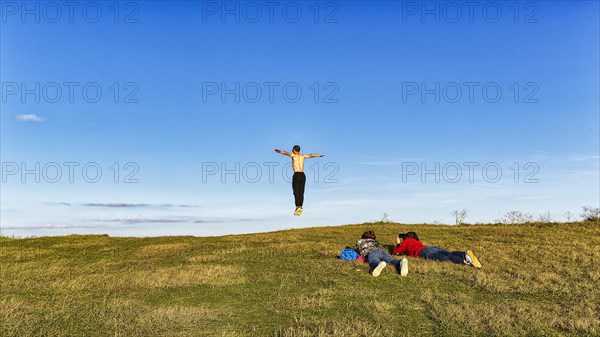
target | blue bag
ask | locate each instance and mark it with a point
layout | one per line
(348, 254)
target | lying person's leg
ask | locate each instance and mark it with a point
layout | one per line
(434, 253)
(458, 257)
(376, 262)
(401, 265)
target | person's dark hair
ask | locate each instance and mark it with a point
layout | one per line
(296, 148)
(368, 235)
(412, 235)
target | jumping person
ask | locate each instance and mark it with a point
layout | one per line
(409, 244)
(299, 179)
(372, 251)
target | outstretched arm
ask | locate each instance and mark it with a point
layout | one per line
(313, 155)
(282, 152)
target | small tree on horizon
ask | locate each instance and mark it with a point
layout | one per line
(515, 217)
(545, 217)
(459, 216)
(590, 213)
(569, 216)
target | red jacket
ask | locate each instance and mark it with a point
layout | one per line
(410, 247)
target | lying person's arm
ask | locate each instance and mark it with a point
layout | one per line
(399, 249)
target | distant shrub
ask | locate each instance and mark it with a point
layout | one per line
(544, 217)
(385, 218)
(569, 216)
(590, 213)
(515, 217)
(459, 216)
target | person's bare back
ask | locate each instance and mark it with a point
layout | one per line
(299, 179)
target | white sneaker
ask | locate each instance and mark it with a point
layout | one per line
(379, 268)
(297, 211)
(404, 267)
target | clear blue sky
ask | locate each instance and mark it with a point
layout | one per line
(365, 58)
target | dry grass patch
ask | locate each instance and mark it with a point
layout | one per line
(79, 245)
(237, 249)
(180, 320)
(321, 248)
(13, 315)
(331, 328)
(218, 255)
(24, 254)
(191, 275)
(322, 298)
(162, 250)
(202, 259)
(182, 314)
(459, 312)
(383, 307)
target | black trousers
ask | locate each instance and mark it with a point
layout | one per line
(298, 182)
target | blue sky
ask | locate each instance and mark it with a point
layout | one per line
(170, 124)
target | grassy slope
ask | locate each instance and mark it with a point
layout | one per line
(536, 280)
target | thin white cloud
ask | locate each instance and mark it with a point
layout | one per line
(45, 226)
(114, 205)
(580, 157)
(132, 205)
(30, 118)
(128, 220)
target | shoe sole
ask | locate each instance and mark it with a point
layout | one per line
(379, 268)
(474, 259)
(404, 267)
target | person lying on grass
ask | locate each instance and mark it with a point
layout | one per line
(409, 244)
(376, 256)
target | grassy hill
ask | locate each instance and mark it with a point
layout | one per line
(537, 279)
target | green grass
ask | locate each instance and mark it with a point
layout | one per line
(536, 280)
